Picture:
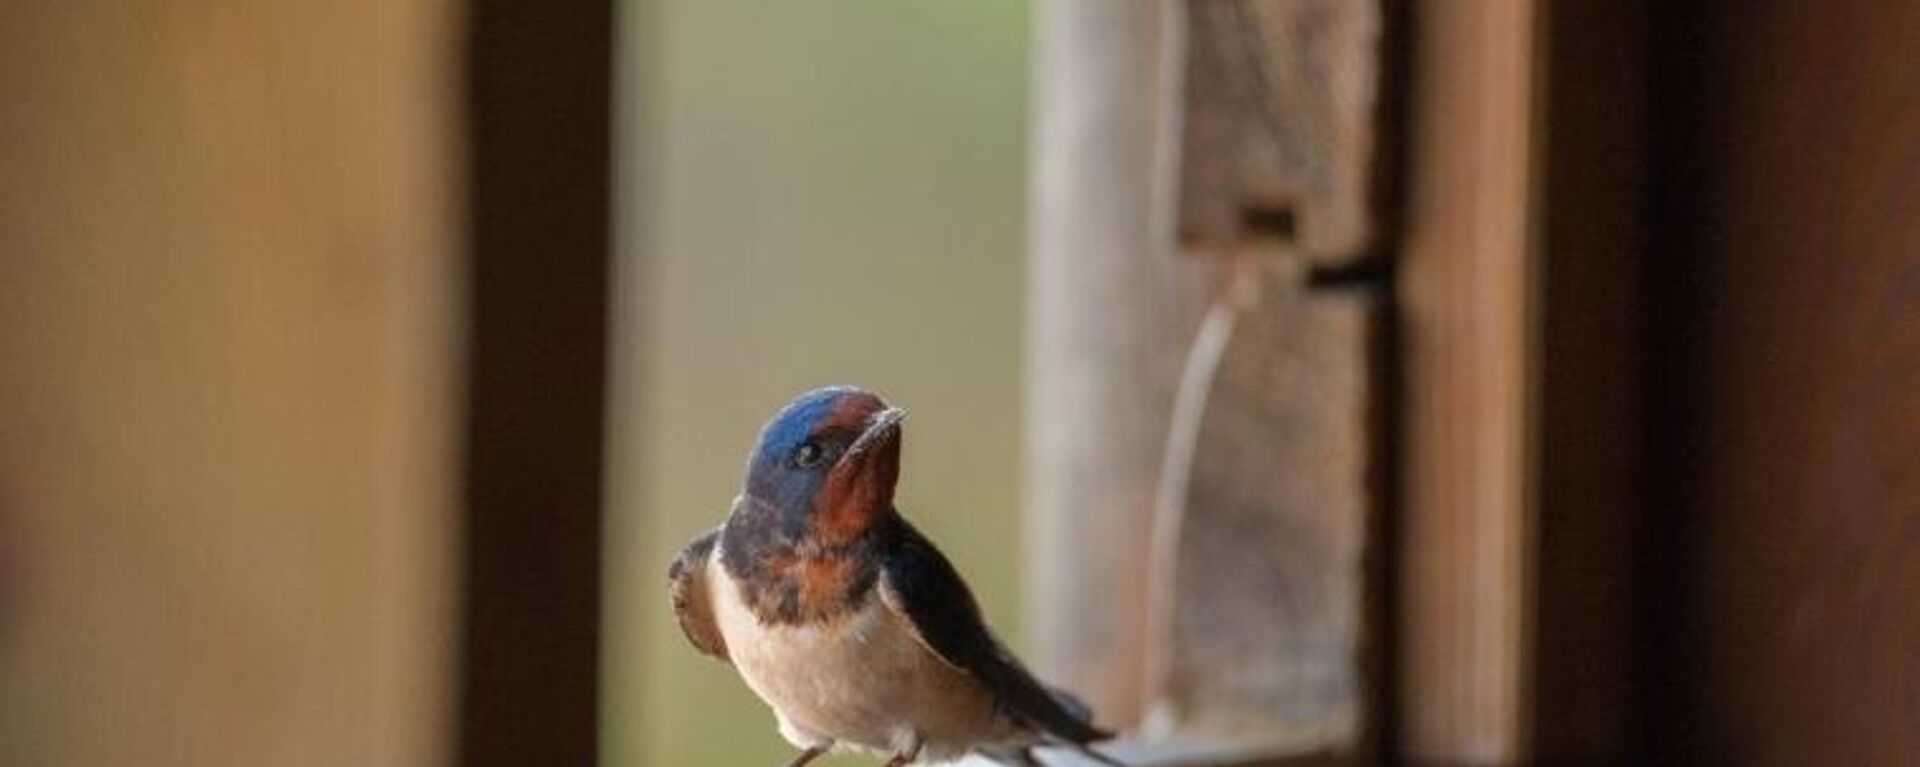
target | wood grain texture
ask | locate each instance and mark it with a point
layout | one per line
(1788, 437)
(227, 408)
(1113, 310)
(1279, 131)
(1467, 292)
(1263, 529)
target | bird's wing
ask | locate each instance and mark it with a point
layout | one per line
(692, 604)
(918, 583)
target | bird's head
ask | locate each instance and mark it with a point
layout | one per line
(826, 465)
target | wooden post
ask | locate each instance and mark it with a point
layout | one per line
(1784, 283)
(1468, 285)
(1589, 423)
(1244, 509)
(228, 399)
(1112, 313)
(1270, 493)
(539, 93)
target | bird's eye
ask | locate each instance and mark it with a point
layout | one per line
(807, 454)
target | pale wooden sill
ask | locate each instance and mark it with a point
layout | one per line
(1137, 754)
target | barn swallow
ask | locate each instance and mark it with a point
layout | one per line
(846, 620)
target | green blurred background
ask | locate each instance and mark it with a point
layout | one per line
(810, 193)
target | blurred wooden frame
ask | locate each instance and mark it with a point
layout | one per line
(1518, 291)
(540, 164)
(1513, 346)
(1469, 277)
(1200, 530)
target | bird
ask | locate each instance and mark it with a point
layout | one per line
(845, 619)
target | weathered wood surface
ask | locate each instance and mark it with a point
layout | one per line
(1281, 103)
(1266, 504)
(1264, 523)
(1112, 313)
(1256, 630)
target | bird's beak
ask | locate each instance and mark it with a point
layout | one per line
(859, 489)
(883, 429)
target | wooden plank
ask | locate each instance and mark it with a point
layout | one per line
(228, 396)
(1786, 455)
(1281, 108)
(1115, 314)
(1467, 294)
(1262, 535)
(539, 97)
(1267, 499)
(1589, 417)
(1112, 313)
(1163, 754)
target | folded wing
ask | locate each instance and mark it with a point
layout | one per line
(918, 583)
(687, 585)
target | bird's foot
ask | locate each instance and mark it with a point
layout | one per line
(903, 758)
(807, 756)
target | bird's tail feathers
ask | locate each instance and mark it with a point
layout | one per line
(1075, 707)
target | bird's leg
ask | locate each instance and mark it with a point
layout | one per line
(903, 758)
(807, 756)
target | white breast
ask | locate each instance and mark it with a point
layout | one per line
(861, 680)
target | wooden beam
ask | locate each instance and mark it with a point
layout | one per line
(1281, 122)
(1144, 754)
(540, 88)
(1263, 535)
(1112, 313)
(1269, 497)
(1785, 405)
(1469, 283)
(1257, 502)
(1588, 416)
(229, 395)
